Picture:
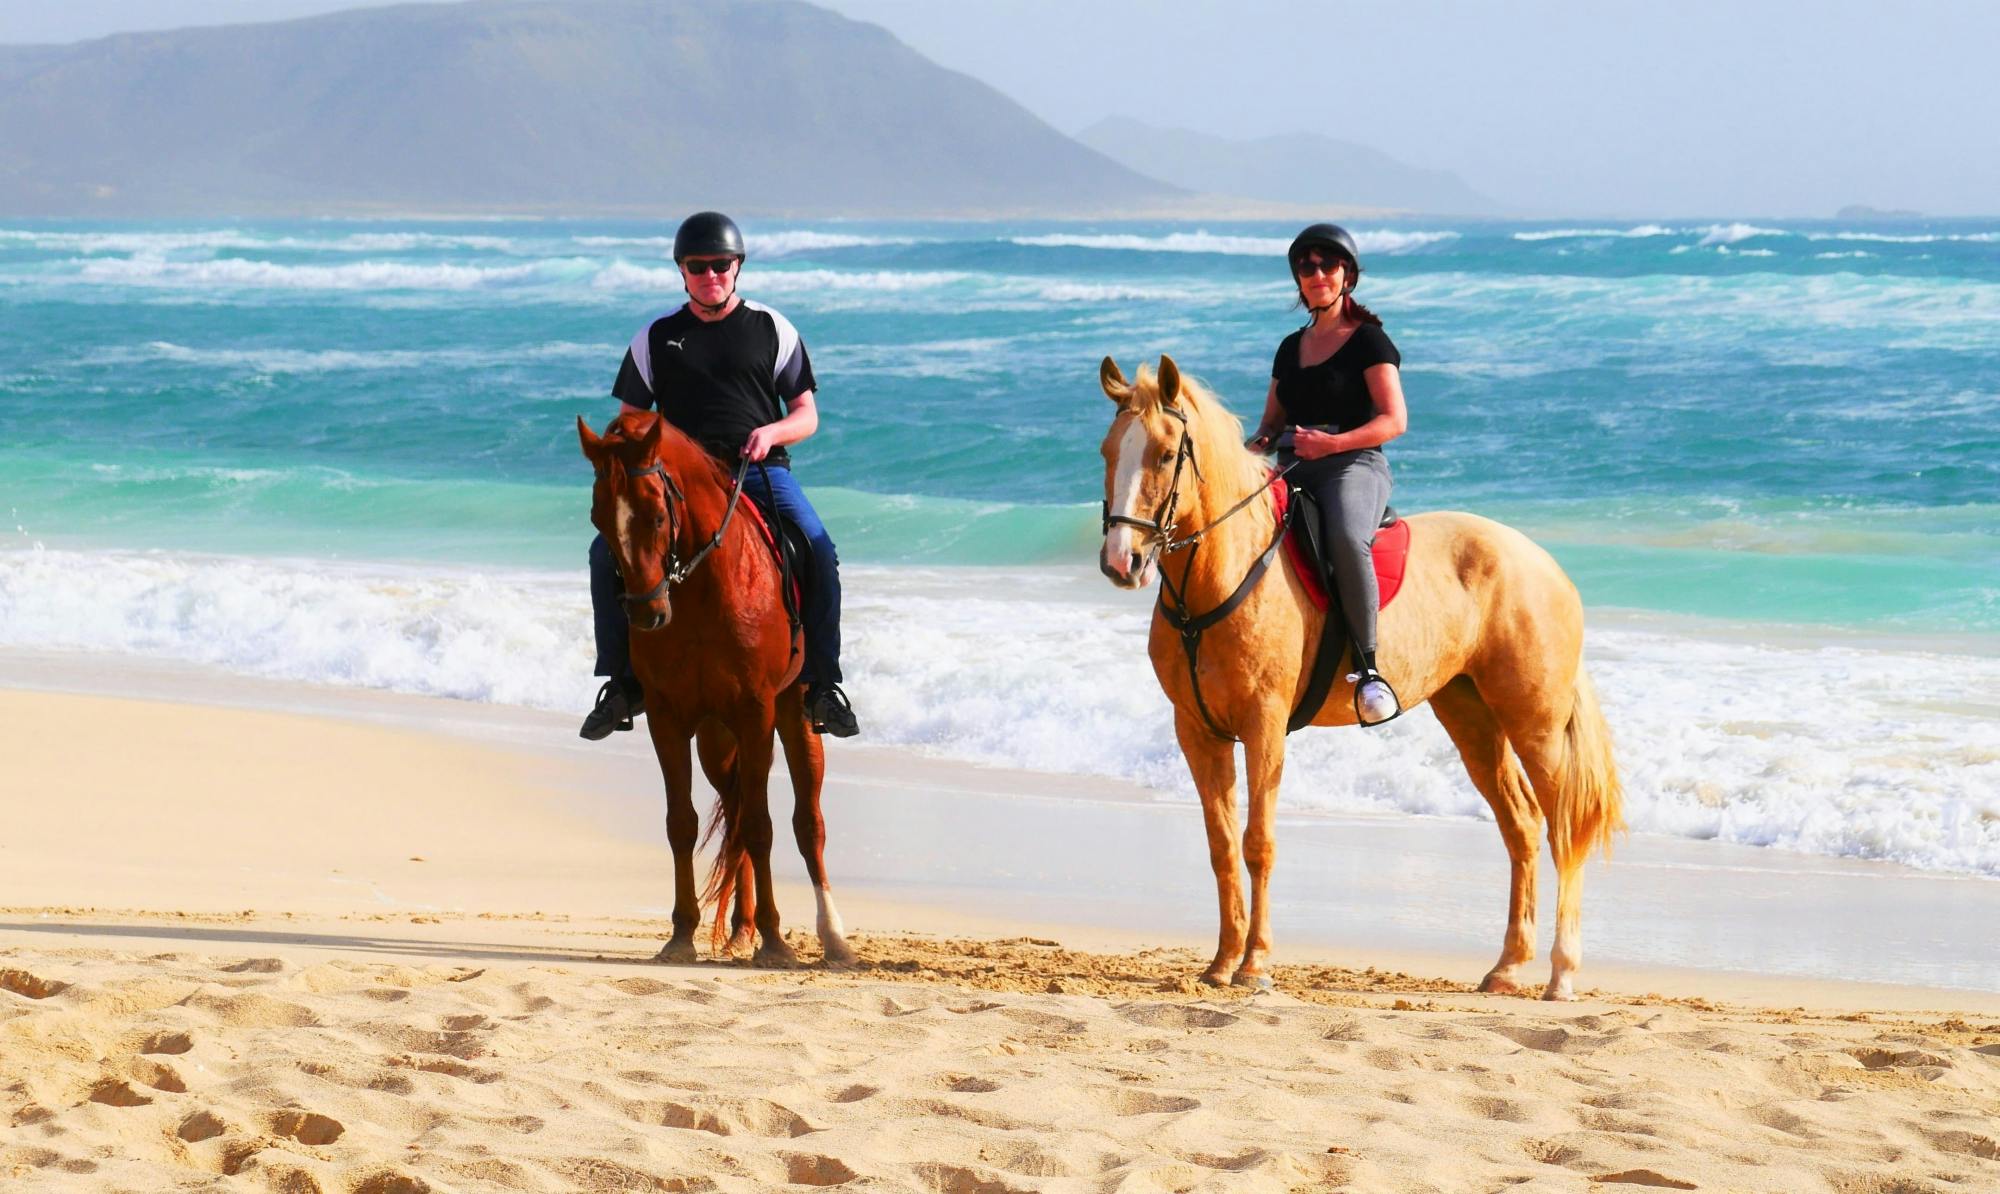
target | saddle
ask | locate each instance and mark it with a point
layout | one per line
(1308, 559)
(792, 552)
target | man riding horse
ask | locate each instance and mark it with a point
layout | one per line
(734, 375)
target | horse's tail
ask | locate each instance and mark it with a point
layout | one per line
(1590, 808)
(720, 889)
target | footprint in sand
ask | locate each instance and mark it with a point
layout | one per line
(803, 1169)
(116, 1092)
(171, 1044)
(305, 1127)
(30, 986)
(853, 1094)
(156, 1075)
(202, 1125)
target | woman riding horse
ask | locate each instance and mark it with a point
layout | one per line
(1486, 628)
(1336, 382)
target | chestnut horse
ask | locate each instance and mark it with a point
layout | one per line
(714, 650)
(1486, 627)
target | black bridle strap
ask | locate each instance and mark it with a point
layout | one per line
(677, 572)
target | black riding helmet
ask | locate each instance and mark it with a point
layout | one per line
(708, 234)
(1328, 238)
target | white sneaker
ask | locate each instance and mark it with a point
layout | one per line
(1376, 702)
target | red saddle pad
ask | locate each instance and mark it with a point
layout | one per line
(1391, 551)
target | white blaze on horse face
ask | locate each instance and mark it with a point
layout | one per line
(1123, 541)
(623, 521)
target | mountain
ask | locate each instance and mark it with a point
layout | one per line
(578, 107)
(1303, 168)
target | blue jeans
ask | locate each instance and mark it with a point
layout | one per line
(822, 607)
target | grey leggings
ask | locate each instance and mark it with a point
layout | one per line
(1353, 490)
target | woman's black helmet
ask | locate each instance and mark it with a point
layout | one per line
(1328, 238)
(708, 234)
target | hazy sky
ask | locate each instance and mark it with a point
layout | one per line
(1778, 107)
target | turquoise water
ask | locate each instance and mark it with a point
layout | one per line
(1769, 455)
(1795, 422)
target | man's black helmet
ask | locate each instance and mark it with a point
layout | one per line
(1326, 238)
(708, 234)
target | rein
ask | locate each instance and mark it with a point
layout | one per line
(679, 570)
(1191, 625)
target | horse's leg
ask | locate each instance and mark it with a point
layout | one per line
(730, 881)
(670, 743)
(805, 758)
(1541, 747)
(1212, 762)
(1490, 761)
(753, 785)
(1264, 766)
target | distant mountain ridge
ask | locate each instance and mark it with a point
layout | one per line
(1302, 168)
(580, 107)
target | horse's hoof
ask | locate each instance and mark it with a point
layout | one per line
(1253, 982)
(838, 956)
(1559, 992)
(1213, 978)
(1499, 984)
(740, 946)
(678, 952)
(775, 958)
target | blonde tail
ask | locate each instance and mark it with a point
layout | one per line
(1590, 808)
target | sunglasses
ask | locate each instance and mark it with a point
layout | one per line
(1306, 269)
(698, 268)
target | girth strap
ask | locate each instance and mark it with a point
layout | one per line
(1192, 627)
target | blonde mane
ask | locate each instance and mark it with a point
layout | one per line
(1218, 435)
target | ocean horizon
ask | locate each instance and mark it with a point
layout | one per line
(1767, 452)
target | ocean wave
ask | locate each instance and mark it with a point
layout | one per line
(241, 273)
(1729, 234)
(761, 244)
(1718, 737)
(623, 275)
(162, 243)
(1368, 241)
(302, 360)
(1640, 231)
(1917, 238)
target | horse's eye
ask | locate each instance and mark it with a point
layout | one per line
(1166, 458)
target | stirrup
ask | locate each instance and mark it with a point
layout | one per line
(1366, 678)
(828, 711)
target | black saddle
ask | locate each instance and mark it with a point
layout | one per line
(1334, 639)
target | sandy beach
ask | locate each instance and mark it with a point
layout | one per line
(263, 936)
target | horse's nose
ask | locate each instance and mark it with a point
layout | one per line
(1114, 564)
(648, 619)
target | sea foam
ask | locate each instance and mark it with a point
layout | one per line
(1819, 746)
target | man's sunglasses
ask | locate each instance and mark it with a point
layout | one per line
(1306, 269)
(698, 268)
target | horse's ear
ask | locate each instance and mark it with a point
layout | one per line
(654, 434)
(1115, 386)
(592, 442)
(1170, 381)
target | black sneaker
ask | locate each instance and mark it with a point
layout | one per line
(830, 713)
(618, 702)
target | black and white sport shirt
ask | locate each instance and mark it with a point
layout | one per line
(718, 381)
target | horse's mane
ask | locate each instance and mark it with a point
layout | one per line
(1217, 434)
(687, 460)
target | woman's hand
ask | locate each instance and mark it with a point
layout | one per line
(1260, 443)
(1309, 444)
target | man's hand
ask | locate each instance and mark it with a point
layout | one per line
(761, 441)
(1312, 445)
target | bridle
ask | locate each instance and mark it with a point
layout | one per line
(678, 570)
(1163, 525)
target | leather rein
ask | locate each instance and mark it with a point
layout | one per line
(1163, 525)
(678, 570)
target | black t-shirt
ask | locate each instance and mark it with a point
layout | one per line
(717, 381)
(1333, 391)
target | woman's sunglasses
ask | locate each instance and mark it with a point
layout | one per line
(698, 268)
(1305, 269)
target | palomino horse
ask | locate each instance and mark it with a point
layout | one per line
(1486, 627)
(713, 649)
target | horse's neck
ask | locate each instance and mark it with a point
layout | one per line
(1208, 572)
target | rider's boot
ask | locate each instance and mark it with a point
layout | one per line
(829, 711)
(618, 702)
(1374, 701)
